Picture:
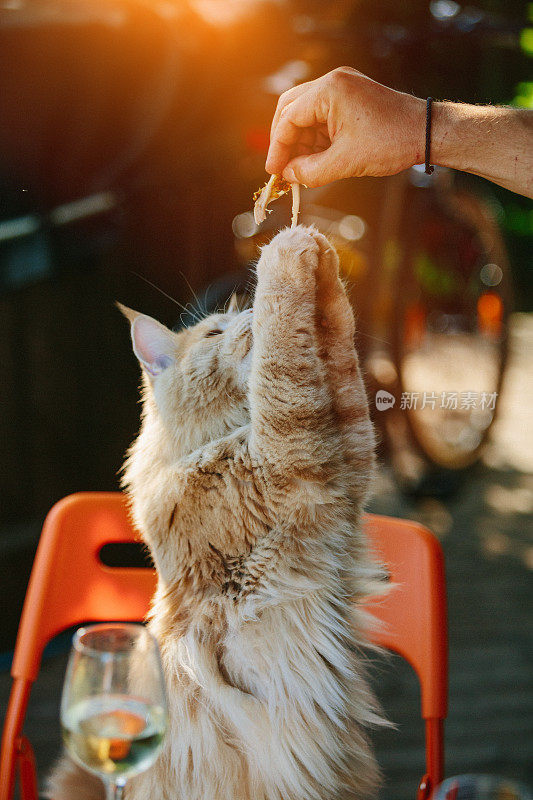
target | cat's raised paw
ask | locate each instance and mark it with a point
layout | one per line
(297, 254)
(295, 240)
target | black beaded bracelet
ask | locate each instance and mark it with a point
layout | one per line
(429, 169)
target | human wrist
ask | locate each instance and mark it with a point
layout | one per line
(416, 125)
(450, 136)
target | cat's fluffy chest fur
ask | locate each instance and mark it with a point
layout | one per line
(251, 507)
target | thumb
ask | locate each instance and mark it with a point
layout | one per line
(318, 169)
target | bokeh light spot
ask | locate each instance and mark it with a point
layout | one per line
(352, 228)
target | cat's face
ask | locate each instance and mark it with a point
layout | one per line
(195, 381)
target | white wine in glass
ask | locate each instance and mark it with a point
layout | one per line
(480, 787)
(108, 728)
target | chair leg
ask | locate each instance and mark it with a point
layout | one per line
(424, 788)
(435, 750)
(434, 758)
(28, 769)
(18, 701)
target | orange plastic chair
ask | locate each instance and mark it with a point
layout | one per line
(69, 585)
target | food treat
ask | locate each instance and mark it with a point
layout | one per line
(275, 187)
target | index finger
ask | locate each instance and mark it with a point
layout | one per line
(286, 98)
(293, 119)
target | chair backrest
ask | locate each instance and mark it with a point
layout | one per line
(70, 585)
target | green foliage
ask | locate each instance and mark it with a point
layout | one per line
(526, 41)
(434, 278)
(524, 95)
(518, 220)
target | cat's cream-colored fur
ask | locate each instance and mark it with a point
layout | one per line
(247, 482)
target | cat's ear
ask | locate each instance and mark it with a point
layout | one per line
(233, 304)
(153, 344)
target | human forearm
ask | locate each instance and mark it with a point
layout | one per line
(496, 143)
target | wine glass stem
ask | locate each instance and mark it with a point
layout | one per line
(114, 790)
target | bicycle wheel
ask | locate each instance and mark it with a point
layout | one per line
(451, 332)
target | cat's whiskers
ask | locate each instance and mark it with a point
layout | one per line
(374, 338)
(195, 296)
(158, 288)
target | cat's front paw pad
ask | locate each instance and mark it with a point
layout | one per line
(293, 253)
(328, 262)
(309, 240)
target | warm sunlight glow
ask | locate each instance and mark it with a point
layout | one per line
(223, 12)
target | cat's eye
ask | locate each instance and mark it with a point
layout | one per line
(212, 332)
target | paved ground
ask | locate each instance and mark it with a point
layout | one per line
(486, 532)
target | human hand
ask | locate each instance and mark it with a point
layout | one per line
(344, 124)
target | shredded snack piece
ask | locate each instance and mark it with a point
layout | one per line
(274, 188)
(295, 204)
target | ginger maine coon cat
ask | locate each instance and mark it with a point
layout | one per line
(247, 482)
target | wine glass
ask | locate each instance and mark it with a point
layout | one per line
(110, 725)
(480, 787)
